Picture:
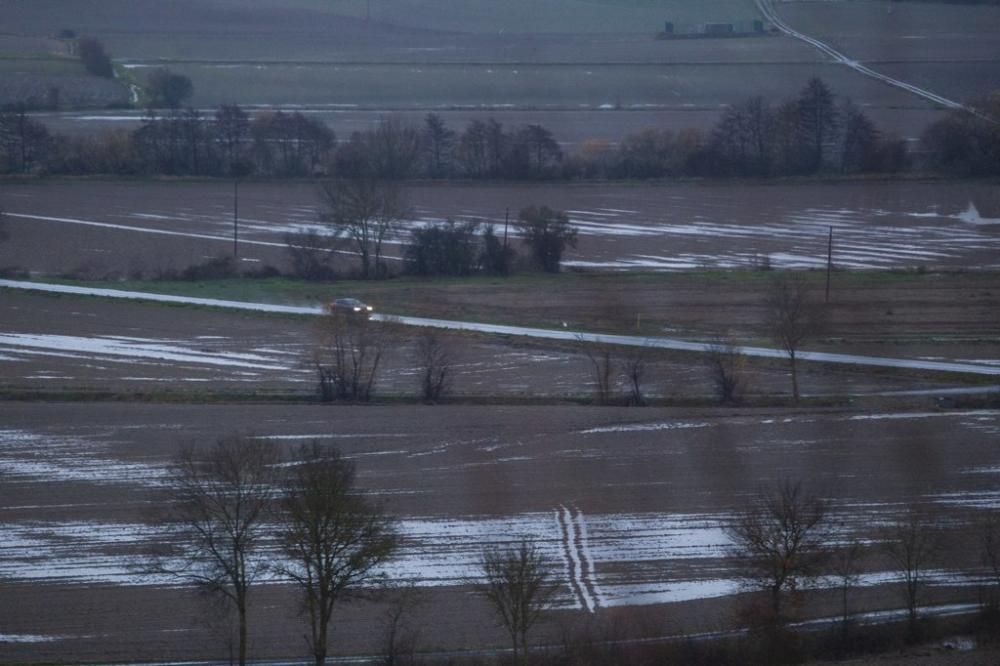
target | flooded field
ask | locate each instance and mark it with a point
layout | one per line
(628, 504)
(144, 228)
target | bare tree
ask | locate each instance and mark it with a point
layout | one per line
(222, 499)
(726, 367)
(779, 541)
(401, 634)
(434, 363)
(438, 141)
(845, 565)
(231, 133)
(347, 358)
(393, 148)
(520, 588)
(365, 211)
(989, 542)
(24, 141)
(912, 545)
(793, 317)
(859, 143)
(312, 255)
(634, 371)
(335, 538)
(817, 121)
(602, 366)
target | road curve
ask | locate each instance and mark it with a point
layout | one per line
(522, 331)
(766, 8)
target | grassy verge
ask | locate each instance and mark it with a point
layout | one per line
(14, 394)
(291, 291)
(880, 309)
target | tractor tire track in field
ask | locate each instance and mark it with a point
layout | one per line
(766, 8)
(578, 561)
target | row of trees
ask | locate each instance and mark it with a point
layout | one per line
(163, 88)
(805, 135)
(350, 349)
(360, 216)
(460, 249)
(967, 143)
(241, 513)
(238, 502)
(811, 133)
(786, 538)
(793, 316)
(227, 143)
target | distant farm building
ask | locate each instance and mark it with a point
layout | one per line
(673, 30)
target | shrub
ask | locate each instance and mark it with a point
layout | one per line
(167, 89)
(443, 249)
(547, 232)
(94, 58)
(217, 268)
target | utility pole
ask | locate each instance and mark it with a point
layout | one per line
(506, 221)
(236, 218)
(829, 263)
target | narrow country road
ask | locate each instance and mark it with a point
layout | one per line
(538, 333)
(766, 8)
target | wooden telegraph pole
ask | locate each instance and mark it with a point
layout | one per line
(829, 263)
(506, 221)
(236, 217)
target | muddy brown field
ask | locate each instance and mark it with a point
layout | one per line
(628, 504)
(647, 489)
(637, 496)
(110, 228)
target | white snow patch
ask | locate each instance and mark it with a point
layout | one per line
(645, 427)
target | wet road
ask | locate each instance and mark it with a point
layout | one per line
(537, 333)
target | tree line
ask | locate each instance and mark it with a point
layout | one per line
(811, 133)
(349, 352)
(359, 216)
(242, 512)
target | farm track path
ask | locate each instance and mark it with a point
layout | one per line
(767, 9)
(523, 331)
